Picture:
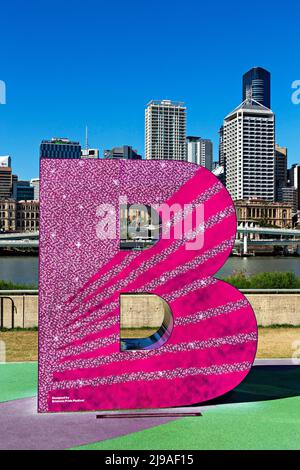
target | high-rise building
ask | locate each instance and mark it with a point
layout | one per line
(35, 183)
(293, 180)
(221, 163)
(249, 151)
(199, 151)
(218, 171)
(22, 190)
(165, 129)
(60, 148)
(5, 161)
(125, 151)
(6, 179)
(221, 147)
(257, 84)
(289, 195)
(280, 170)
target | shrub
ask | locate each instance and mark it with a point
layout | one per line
(274, 280)
(7, 285)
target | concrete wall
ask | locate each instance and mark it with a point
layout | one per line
(270, 309)
(276, 309)
(140, 310)
(26, 310)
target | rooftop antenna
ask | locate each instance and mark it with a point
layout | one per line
(86, 138)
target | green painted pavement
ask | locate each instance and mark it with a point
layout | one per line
(273, 424)
(18, 380)
(262, 413)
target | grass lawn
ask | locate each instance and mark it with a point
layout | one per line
(274, 342)
(137, 332)
(277, 342)
(20, 345)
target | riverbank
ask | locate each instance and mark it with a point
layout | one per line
(241, 280)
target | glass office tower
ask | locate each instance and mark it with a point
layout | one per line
(23, 191)
(60, 148)
(257, 82)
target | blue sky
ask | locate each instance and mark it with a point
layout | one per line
(69, 63)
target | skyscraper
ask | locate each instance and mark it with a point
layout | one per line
(165, 123)
(221, 149)
(249, 151)
(6, 180)
(288, 195)
(59, 147)
(257, 84)
(294, 180)
(199, 151)
(280, 170)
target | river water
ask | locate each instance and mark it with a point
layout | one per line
(24, 269)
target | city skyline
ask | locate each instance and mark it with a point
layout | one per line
(105, 80)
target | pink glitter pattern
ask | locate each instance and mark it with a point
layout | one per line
(214, 338)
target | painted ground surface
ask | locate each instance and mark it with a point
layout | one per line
(262, 413)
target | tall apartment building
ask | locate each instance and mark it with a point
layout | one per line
(221, 146)
(249, 151)
(165, 130)
(59, 147)
(257, 84)
(280, 170)
(294, 180)
(199, 151)
(6, 178)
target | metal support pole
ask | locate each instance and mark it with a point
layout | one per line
(245, 244)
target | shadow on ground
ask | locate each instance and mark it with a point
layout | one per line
(264, 383)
